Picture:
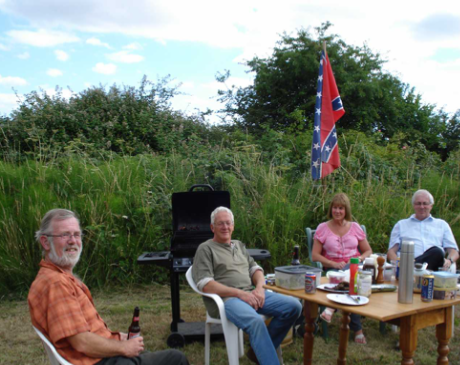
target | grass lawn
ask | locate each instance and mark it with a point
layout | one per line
(20, 345)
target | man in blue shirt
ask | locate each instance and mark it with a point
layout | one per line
(432, 237)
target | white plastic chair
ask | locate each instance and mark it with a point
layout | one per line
(232, 334)
(53, 355)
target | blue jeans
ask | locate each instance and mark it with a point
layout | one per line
(264, 340)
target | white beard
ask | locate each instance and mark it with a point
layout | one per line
(63, 261)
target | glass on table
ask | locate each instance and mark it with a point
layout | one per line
(388, 273)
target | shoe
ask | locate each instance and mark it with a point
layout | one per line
(252, 356)
(360, 339)
(299, 330)
(327, 314)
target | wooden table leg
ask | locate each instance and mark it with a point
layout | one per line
(343, 338)
(444, 333)
(408, 339)
(310, 313)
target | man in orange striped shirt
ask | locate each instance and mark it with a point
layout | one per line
(62, 308)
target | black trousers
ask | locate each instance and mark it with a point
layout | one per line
(434, 257)
(166, 357)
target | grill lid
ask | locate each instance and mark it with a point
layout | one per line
(192, 215)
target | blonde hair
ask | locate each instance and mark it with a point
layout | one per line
(340, 199)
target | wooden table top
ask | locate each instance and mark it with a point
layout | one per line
(381, 306)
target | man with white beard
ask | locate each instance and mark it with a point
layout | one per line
(62, 308)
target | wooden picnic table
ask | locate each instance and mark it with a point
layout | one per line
(382, 307)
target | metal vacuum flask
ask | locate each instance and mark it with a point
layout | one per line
(406, 273)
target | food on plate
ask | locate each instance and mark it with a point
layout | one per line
(342, 286)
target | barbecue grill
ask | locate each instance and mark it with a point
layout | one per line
(191, 213)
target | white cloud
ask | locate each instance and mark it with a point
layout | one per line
(125, 57)
(231, 81)
(252, 27)
(133, 46)
(3, 47)
(8, 102)
(66, 93)
(23, 56)
(105, 68)
(12, 81)
(54, 72)
(61, 55)
(96, 42)
(42, 37)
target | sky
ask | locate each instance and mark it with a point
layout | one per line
(79, 44)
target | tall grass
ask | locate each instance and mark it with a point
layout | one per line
(124, 204)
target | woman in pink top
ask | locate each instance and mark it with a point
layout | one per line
(335, 243)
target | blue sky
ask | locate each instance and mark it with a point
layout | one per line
(77, 44)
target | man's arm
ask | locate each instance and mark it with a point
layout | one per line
(94, 345)
(452, 254)
(393, 246)
(258, 280)
(213, 287)
(393, 252)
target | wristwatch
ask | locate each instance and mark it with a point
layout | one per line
(450, 259)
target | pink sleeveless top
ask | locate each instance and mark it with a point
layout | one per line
(336, 248)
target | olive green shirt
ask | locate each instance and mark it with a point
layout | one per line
(229, 266)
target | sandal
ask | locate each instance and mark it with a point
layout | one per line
(327, 314)
(360, 339)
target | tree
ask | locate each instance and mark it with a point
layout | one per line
(126, 120)
(284, 91)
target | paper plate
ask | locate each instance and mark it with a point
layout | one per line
(346, 300)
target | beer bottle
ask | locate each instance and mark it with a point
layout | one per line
(134, 330)
(295, 256)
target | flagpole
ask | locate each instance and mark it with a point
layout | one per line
(323, 180)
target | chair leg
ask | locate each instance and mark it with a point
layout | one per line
(324, 330)
(383, 328)
(207, 343)
(240, 343)
(232, 339)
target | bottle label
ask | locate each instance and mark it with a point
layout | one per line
(133, 335)
(135, 319)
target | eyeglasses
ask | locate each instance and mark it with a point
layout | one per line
(425, 204)
(227, 223)
(67, 236)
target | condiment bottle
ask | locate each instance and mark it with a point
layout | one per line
(364, 283)
(354, 265)
(418, 275)
(369, 265)
(406, 273)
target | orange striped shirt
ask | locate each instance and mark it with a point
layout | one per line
(61, 306)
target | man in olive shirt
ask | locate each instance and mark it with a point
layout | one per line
(223, 266)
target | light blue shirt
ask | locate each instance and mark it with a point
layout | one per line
(425, 234)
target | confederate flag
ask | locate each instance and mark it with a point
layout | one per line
(328, 110)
